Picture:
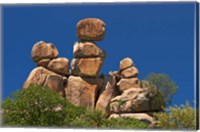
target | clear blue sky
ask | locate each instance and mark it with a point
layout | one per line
(159, 37)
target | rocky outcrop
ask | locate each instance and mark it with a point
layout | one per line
(119, 93)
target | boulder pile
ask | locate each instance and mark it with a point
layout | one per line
(118, 94)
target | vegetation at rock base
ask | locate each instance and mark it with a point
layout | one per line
(164, 84)
(183, 117)
(39, 106)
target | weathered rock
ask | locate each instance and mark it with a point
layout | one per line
(139, 116)
(56, 82)
(131, 100)
(129, 94)
(130, 72)
(125, 63)
(127, 83)
(88, 67)
(108, 91)
(44, 77)
(82, 91)
(91, 29)
(87, 49)
(136, 100)
(59, 65)
(37, 76)
(43, 50)
(43, 62)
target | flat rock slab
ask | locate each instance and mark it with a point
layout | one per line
(87, 49)
(82, 91)
(91, 29)
(139, 116)
(127, 83)
(86, 67)
(130, 72)
(59, 65)
(43, 50)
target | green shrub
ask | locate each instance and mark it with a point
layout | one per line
(163, 83)
(183, 117)
(34, 107)
(124, 123)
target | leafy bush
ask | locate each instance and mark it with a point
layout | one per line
(124, 123)
(155, 96)
(183, 117)
(164, 84)
(40, 106)
(35, 106)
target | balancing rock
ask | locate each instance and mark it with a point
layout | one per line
(92, 29)
(43, 50)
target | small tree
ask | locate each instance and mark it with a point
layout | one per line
(164, 84)
(35, 106)
(183, 117)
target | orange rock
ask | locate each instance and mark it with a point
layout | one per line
(37, 76)
(44, 77)
(43, 50)
(59, 65)
(87, 49)
(127, 83)
(87, 67)
(43, 62)
(125, 63)
(91, 29)
(130, 72)
(55, 82)
(108, 91)
(82, 91)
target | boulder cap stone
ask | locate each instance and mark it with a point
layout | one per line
(126, 63)
(42, 50)
(91, 29)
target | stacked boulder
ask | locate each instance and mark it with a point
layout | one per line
(135, 99)
(118, 94)
(84, 83)
(51, 71)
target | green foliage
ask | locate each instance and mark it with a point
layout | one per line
(183, 117)
(36, 106)
(155, 96)
(124, 123)
(164, 84)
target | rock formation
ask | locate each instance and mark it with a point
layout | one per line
(118, 94)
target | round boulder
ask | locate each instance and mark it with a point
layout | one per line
(43, 50)
(91, 29)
